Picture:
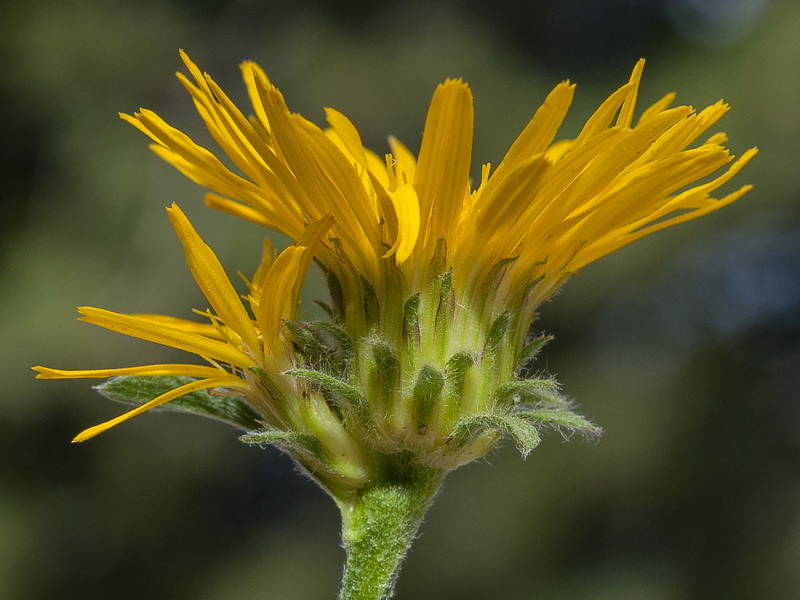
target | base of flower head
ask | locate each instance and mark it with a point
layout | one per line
(434, 389)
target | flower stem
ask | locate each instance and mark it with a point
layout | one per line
(380, 525)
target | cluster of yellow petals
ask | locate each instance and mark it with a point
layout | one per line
(553, 207)
(231, 342)
(548, 209)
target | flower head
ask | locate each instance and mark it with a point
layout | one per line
(434, 283)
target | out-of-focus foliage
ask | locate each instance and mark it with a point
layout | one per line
(685, 347)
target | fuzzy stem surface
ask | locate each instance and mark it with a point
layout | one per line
(381, 524)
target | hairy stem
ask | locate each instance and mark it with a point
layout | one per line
(380, 525)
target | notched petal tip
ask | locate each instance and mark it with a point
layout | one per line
(176, 210)
(186, 60)
(42, 372)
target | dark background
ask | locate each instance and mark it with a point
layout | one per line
(685, 346)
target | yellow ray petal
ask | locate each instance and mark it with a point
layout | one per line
(442, 174)
(245, 145)
(268, 256)
(328, 177)
(168, 336)
(626, 112)
(406, 209)
(199, 371)
(205, 329)
(237, 209)
(227, 382)
(552, 204)
(275, 298)
(387, 210)
(202, 167)
(503, 201)
(191, 159)
(308, 242)
(616, 239)
(638, 195)
(607, 167)
(212, 280)
(231, 128)
(277, 285)
(655, 108)
(214, 177)
(405, 163)
(683, 133)
(251, 73)
(376, 167)
(348, 133)
(540, 131)
(169, 137)
(602, 117)
(342, 176)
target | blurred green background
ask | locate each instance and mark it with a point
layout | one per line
(685, 346)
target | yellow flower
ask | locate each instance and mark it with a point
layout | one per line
(433, 284)
(551, 207)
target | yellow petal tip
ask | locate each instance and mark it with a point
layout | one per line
(87, 434)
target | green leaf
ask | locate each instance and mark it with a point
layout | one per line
(324, 346)
(411, 331)
(497, 331)
(136, 390)
(525, 434)
(292, 441)
(335, 290)
(531, 390)
(387, 367)
(427, 389)
(308, 345)
(340, 343)
(456, 371)
(339, 390)
(439, 260)
(446, 285)
(446, 306)
(372, 308)
(530, 351)
(328, 308)
(561, 420)
(273, 390)
(498, 271)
